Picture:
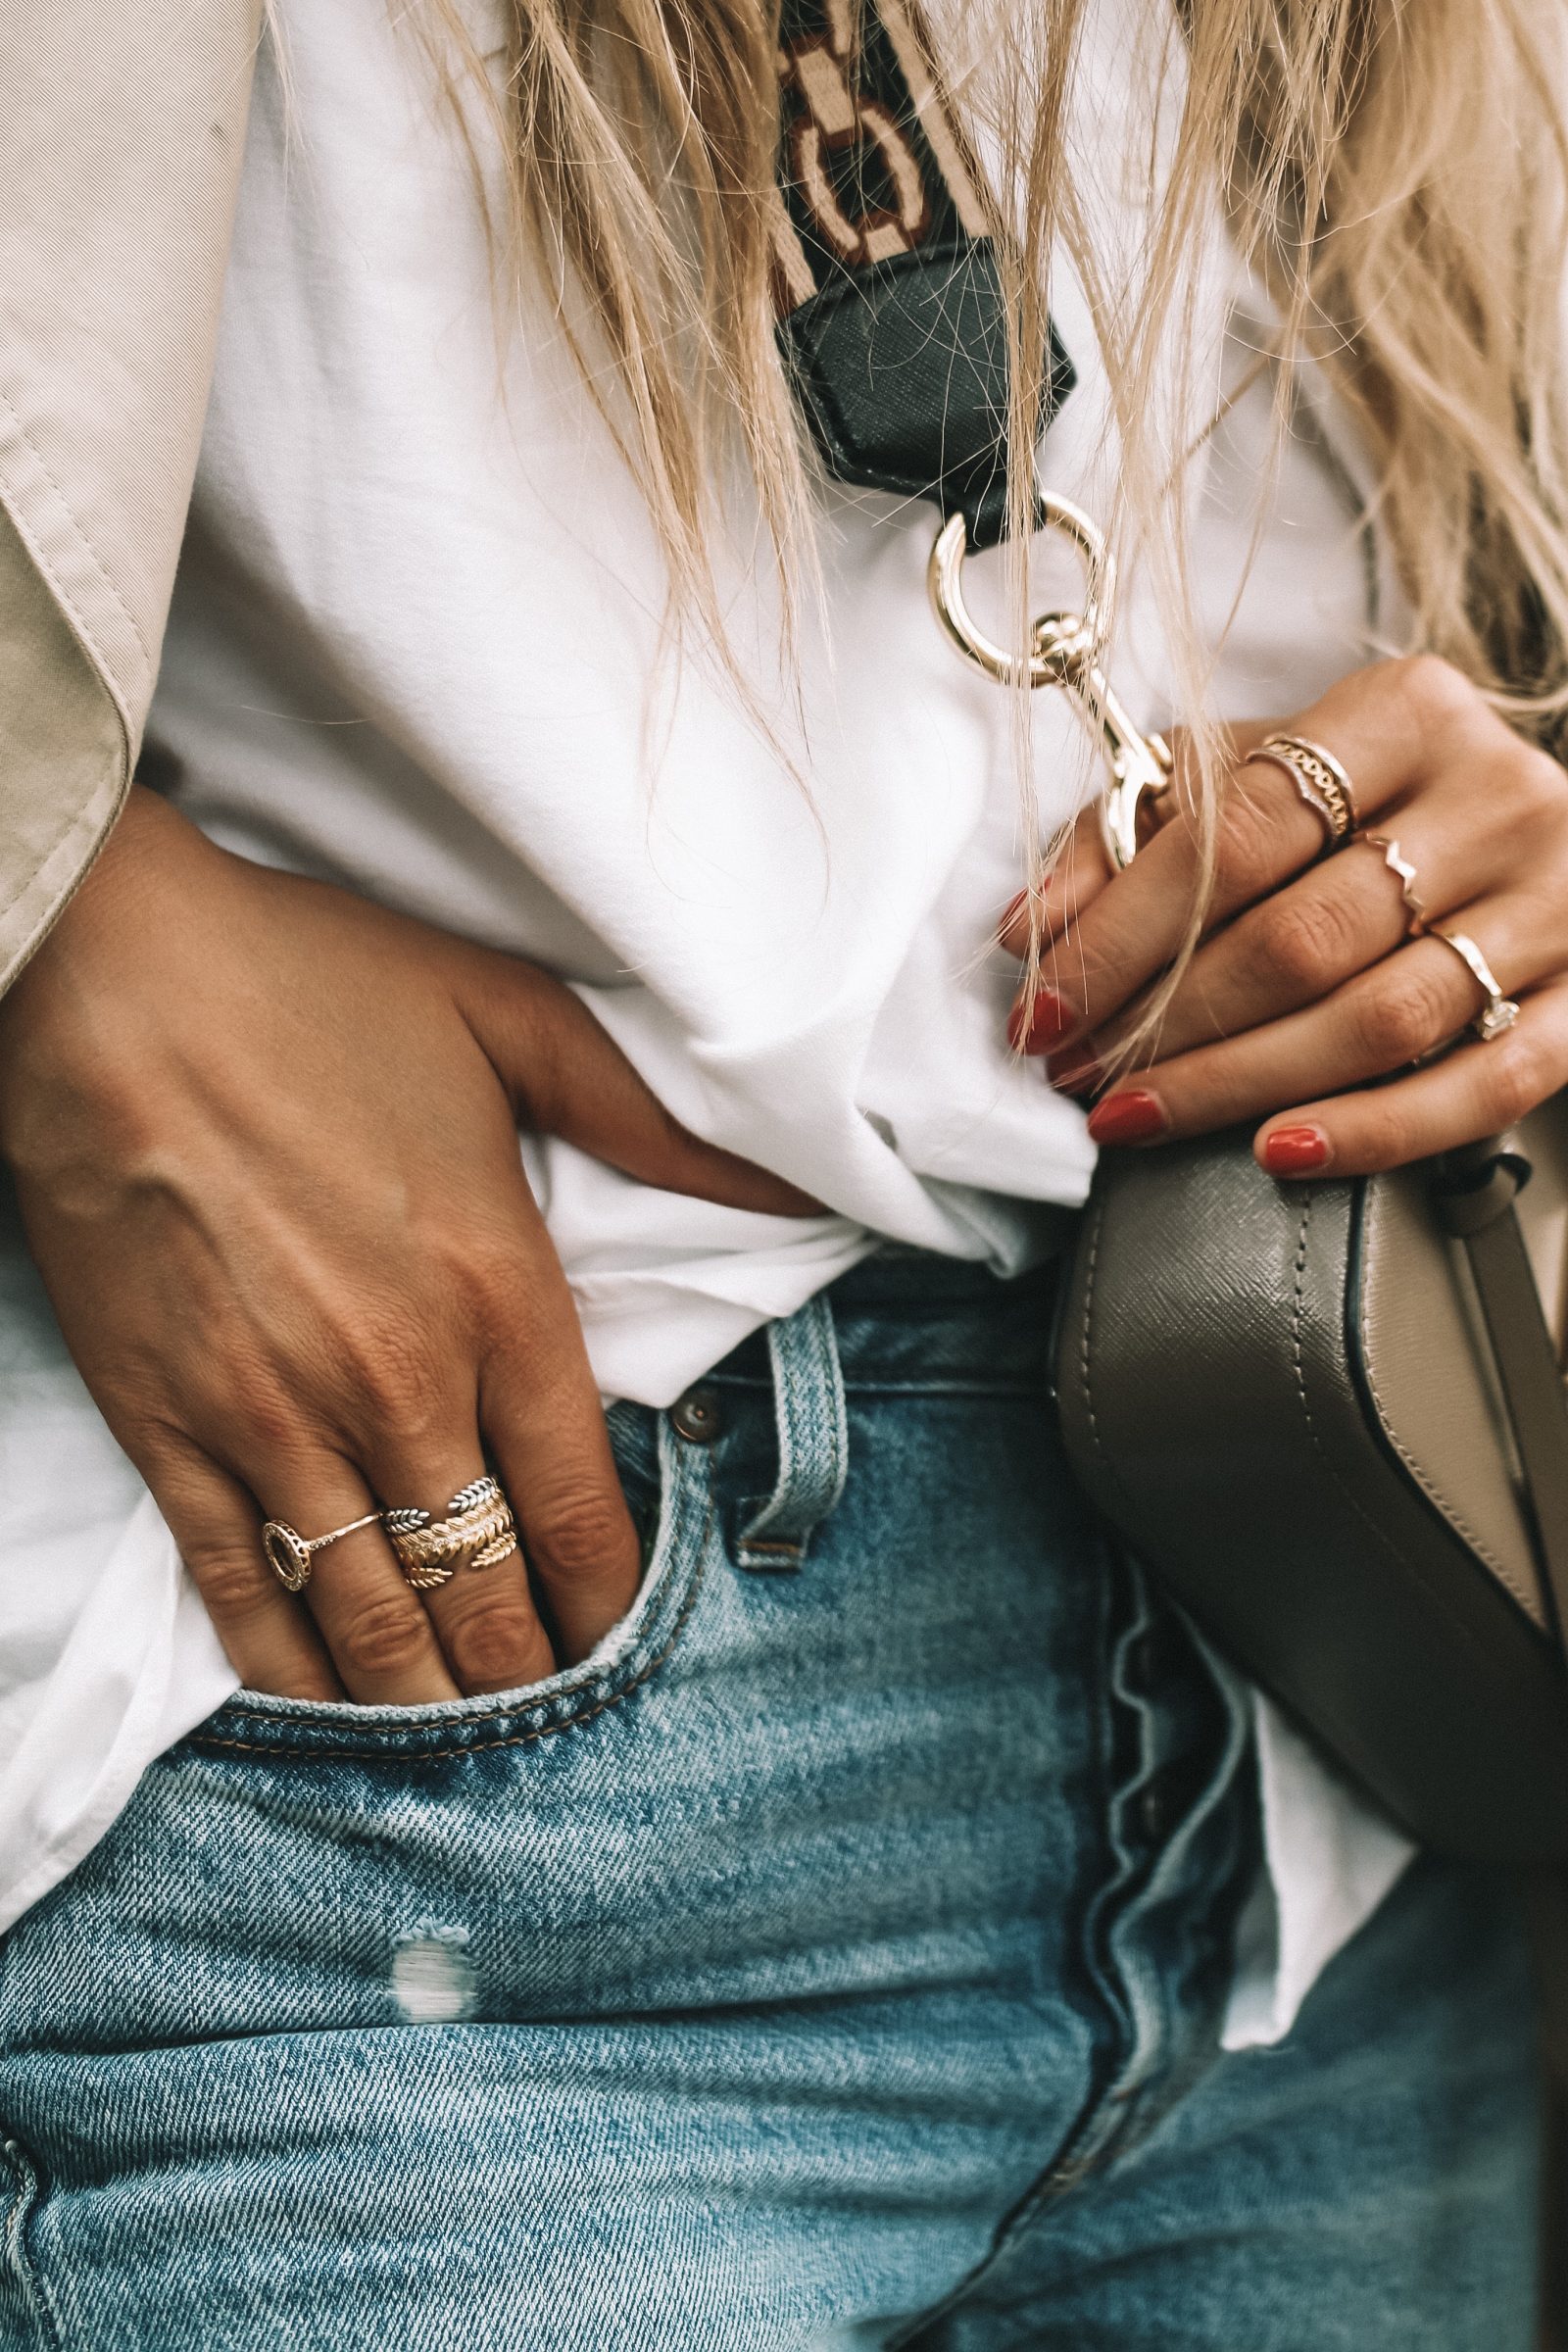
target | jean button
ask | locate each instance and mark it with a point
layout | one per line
(696, 1415)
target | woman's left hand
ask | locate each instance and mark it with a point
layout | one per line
(1308, 986)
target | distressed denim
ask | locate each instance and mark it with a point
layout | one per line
(832, 1961)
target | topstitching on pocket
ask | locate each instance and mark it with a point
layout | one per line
(256, 1723)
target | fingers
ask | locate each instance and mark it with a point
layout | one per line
(1408, 1006)
(269, 1640)
(566, 1076)
(382, 1639)
(1076, 875)
(1394, 726)
(545, 1428)
(1079, 869)
(358, 1628)
(1480, 1090)
(1339, 919)
(1134, 929)
(1079, 876)
(402, 1423)
(484, 1619)
(1041, 1015)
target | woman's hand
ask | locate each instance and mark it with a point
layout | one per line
(1307, 986)
(265, 1143)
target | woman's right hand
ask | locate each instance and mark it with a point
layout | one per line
(263, 1136)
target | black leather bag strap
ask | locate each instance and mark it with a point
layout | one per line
(890, 306)
(1475, 1193)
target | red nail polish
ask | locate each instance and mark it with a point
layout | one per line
(1048, 1023)
(1133, 1117)
(1074, 1071)
(1296, 1151)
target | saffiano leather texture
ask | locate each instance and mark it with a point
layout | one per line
(1286, 1399)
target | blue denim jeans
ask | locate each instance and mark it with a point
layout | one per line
(833, 1962)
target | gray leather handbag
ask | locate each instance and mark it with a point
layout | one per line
(1283, 1395)
(1331, 1418)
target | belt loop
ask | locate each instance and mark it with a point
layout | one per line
(814, 1439)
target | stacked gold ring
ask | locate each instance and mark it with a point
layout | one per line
(1321, 781)
(478, 1530)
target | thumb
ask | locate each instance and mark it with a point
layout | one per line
(565, 1075)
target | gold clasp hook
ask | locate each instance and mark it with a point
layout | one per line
(1064, 649)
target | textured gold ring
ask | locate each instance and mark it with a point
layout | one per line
(476, 1531)
(291, 1555)
(1321, 781)
(1500, 1013)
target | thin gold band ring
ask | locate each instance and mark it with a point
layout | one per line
(291, 1556)
(1404, 873)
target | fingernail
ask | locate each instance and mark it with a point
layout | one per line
(1012, 912)
(1074, 1070)
(1133, 1117)
(1296, 1151)
(1047, 1022)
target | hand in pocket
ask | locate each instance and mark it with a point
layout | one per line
(263, 1136)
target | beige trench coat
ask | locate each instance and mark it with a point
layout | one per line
(120, 135)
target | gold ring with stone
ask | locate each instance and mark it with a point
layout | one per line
(291, 1555)
(1320, 779)
(476, 1531)
(1500, 1013)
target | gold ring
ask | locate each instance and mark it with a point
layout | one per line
(1404, 873)
(1500, 1013)
(476, 1530)
(291, 1555)
(1321, 781)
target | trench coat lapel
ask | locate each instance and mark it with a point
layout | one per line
(121, 136)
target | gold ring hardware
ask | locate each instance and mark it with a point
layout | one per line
(1064, 649)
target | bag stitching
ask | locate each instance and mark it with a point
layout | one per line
(50, 572)
(1084, 1381)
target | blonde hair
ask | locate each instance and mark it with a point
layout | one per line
(1394, 170)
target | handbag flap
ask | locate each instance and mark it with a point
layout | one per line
(1425, 1363)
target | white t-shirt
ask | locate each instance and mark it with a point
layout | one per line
(416, 646)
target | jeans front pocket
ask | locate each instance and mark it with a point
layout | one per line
(277, 1869)
(254, 1723)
